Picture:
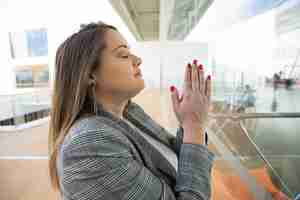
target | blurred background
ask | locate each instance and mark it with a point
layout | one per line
(250, 47)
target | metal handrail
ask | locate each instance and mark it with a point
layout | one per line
(238, 117)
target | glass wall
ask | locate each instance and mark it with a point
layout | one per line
(256, 62)
(29, 43)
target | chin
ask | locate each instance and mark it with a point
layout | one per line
(142, 86)
(139, 87)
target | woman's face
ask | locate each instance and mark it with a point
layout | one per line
(119, 73)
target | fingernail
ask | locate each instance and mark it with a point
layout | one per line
(181, 98)
(209, 77)
(172, 88)
(189, 66)
(195, 62)
(200, 67)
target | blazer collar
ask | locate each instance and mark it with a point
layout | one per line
(136, 115)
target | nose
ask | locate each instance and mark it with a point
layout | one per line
(137, 61)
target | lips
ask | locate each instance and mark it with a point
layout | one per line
(138, 73)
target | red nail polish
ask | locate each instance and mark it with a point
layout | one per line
(195, 62)
(209, 77)
(172, 88)
(200, 67)
(189, 66)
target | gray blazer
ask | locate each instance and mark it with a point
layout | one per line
(103, 158)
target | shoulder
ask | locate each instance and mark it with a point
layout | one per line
(89, 124)
(93, 131)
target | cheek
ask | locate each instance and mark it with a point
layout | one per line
(119, 66)
(121, 70)
(117, 74)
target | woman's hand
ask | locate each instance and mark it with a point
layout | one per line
(192, 108)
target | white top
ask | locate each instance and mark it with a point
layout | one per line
(162, 148)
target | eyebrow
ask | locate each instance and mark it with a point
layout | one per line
(120, 46)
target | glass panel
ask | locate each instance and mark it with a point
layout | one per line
(32, 76)
(18, 45)
(37, 42)
(278, 140)
(236, 150)
(227, 184)
(24, 78)
(257, 72)
(31, 43)
(41, 76)
(229, 144)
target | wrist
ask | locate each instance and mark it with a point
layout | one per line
(193, 135)
(193, 141)
(187, 126)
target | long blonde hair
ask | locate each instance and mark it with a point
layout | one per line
(76, 59)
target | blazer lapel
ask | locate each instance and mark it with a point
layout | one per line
(151, 157)
(138, 117)
(154, 159)
(145, 123)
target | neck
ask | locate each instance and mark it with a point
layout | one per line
(113, 105)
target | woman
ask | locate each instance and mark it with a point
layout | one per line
(103, 146)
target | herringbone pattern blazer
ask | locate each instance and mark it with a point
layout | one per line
(103, 158)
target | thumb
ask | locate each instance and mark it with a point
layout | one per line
(175, 98)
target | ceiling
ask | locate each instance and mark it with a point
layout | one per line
(151, 20)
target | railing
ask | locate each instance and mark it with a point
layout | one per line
(237, 117)
(21, 103)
